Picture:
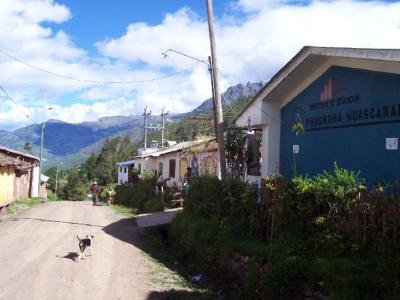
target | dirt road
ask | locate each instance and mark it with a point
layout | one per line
(37, 251)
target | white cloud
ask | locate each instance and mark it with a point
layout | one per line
(251, 47)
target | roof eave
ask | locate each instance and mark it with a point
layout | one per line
(299, 58)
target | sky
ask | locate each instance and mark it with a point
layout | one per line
(88, 59)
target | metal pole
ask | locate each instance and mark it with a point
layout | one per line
(163, 126)
(145, 114)
(219, 115)
(41, 156)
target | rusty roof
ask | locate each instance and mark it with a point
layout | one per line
(15, 152)
(6, 160)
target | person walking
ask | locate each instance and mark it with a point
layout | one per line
(94, 189)
(110, 195)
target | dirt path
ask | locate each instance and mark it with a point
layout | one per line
(37, 250)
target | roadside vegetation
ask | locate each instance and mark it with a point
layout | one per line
(325, 237)
(21, 205)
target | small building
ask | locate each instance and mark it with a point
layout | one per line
(330, 105)
(171, 163)
(19, 175)
(125, 171)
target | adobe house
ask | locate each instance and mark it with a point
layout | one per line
(19, 175)
(171, 163)
(330, 105)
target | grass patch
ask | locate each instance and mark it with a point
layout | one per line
(21, 205)
(125, 211)
(168, 270)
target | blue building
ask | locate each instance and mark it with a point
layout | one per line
(331, 105)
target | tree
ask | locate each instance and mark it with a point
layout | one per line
(51, 173)
(102, 167)
(28, 147)
(235, 151)
(76, 187)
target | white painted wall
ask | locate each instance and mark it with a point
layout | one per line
(35, 182)
(123, 174)
(165, 171)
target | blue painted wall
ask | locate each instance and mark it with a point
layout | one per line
(350, 128)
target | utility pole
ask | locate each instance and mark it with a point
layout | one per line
(213, 97)
(41, 156)
(219, 115)
(145, 115)
(163, 114)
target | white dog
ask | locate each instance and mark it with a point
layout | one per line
(85, 243)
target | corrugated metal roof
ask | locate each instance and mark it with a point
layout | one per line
(175, 148)
(6, 160)
(126, 163)
(8, 150)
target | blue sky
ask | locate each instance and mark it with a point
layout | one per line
(94, 20)
(78, 41)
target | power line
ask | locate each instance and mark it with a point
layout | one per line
(90, 80)
(21, 108)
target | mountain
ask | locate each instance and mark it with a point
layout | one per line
(230, 97)
(73, 143)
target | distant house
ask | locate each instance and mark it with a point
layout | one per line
(171, 163)
(125, 171)
(19, 175)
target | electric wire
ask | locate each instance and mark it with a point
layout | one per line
(40, 69)
(20, 107)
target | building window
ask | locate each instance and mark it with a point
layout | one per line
(172, 167)
(125, 170)
(120, 169)
(160, 168)
(140, 168)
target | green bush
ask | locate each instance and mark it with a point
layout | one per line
(283, 278)
(309, 250)
(232, 202)
(51, 196)
(76, 187)
(140, 196)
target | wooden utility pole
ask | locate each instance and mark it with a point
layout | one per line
(218, 105)
(145, 115)
(163, 114)
(213, 97)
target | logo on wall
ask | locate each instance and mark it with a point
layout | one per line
(332, 89)
(298, 127)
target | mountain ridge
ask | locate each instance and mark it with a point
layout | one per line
(67, 140)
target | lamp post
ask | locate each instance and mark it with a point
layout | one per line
(41, 152)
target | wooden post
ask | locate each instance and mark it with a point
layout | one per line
(220, 117)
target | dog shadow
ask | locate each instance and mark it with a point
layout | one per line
(71, 255)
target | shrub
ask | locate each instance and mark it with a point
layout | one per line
(140, 196)
(283, 278)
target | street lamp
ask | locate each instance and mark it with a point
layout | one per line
(41, 152)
